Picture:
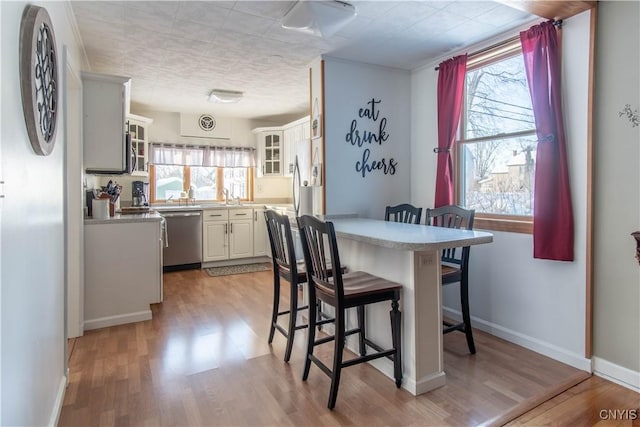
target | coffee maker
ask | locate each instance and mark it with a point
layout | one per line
(137, 193)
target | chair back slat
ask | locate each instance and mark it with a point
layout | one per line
(403, 213)
(281, 241)
(320, 249)
(452, 216)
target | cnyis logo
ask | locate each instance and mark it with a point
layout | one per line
(619, 414)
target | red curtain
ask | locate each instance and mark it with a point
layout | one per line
(450, 90)
(552, 211)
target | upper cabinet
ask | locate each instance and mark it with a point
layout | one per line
(139, 132)
(105, 105)
(277, 147)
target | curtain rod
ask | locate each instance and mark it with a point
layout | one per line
(557, 23)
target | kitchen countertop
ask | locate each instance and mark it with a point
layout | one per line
(412, 237)
(151, 216)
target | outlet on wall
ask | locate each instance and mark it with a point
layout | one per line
(259, 188)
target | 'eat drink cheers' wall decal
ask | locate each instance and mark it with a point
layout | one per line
(371, 115)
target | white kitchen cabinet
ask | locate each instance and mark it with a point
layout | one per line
(293, 133)
(228, 233)
(123, 272)
(270, 153)
(139, 131)
(260, 236)
(240, 233)
(215, 235)
(105, 105)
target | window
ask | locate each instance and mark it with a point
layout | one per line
(209, 170)
(497, 145)
(168, 181)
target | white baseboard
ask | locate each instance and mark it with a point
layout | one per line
(57, 405)
(120, 319)
(616, 373)
(547, 349)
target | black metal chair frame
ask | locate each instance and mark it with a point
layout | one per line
(403, 213)
(455, 263)
(330, 289)
(285, 266)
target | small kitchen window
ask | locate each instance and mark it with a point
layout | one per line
(208, 170)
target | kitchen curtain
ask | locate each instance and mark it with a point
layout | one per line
(451, 77)
(552, 211)
(192, 155)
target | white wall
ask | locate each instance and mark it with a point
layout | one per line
(349, 87)
(617, 193)
(32, 264)
(536, 303)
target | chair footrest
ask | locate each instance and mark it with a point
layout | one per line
(450, 327)
(368, 357)
(304, 307)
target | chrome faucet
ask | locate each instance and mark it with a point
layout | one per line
(226, 196)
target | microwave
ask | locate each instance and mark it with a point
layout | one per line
(123, 163)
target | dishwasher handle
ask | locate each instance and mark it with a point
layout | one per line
(180, 214)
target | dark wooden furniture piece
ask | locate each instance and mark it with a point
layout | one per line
(285, 266)
(403, 213)
(343, 291)
(455, 263)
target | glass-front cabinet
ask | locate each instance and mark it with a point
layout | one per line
(138, 129)
(270, 152)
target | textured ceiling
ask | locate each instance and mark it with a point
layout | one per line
(176, 52)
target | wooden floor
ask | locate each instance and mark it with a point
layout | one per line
(204, 361)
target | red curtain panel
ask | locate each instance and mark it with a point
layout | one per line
(552, 213)
(450, 90)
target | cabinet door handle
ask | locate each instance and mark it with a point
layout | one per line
(255, 216)
(225, 229)
(215, 214)
(231, 227)
(239, 214)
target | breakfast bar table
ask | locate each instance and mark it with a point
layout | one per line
(408, 254)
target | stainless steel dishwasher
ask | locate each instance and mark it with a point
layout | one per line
(183, 246)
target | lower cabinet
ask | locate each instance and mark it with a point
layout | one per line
(228, 234)
(215, 235)
(123, 271)
(260, 236)
(240, 234)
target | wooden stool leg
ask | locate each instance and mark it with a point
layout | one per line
(362, 327)
(337, 358)
(311, 337)
(293, 314)
(396, 331)
(466, 317)
(276, 304)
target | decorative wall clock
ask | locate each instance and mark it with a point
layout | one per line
(39, 78)
(207, 122)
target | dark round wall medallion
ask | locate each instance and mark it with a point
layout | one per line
(39, 78)
(207, 122)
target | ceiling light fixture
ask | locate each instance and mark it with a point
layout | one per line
(321, 18)
(222, 96)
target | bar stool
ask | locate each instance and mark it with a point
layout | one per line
(455, 264)
(343, 291)
(285, 266)
(403, 213)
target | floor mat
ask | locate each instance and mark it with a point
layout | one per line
(238, 269)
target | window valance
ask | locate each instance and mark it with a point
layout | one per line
(201, 155)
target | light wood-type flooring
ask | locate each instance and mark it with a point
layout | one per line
(203, 360)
